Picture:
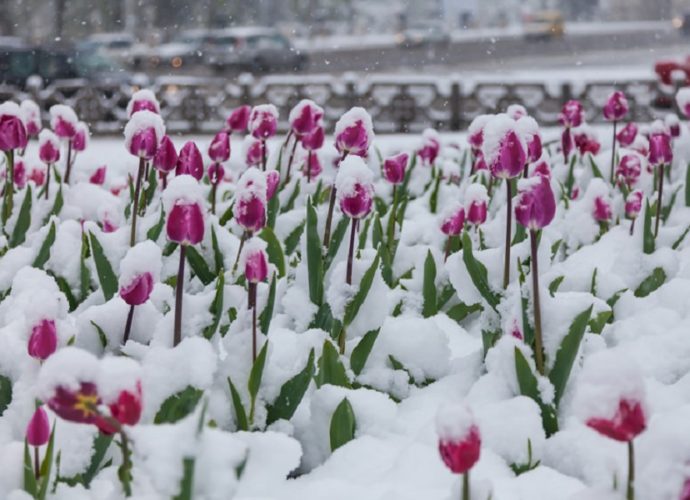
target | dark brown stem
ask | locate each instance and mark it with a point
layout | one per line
(292, 158)
(37, 464)
(47, 193)
(179, 289)
(331, 207)
(263, 154)
(525, 171)
(509, 216)
(659, 202)
(613, 150)
(252, 305)
(466, 486)
(135, 207)
(538, 344)
(68, 169)
(632, 227)
(8, 192)
(447, 252)
(128, 325)
(214, 186)
(630, 493)
(309, 166)
(164, 179)
(351, 253)
(391, 222)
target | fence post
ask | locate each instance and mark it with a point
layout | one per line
(246, 82)
(566, 92)
(455, 106)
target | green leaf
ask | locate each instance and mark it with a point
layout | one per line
(272, 211)
(46, 467)
(23, 220)
(291, 393)
(5, 393)
(30, 485)
(666, 211)
(352, 307)
(597, 323)
(460, 311)
(267, 314)
(66, 290)
(595, 168)
(362, 242)
(433, 199)
(342, 425)
(555, 284)
(377, 232)
(429, 286)
(361, 352)
(520, 234)
(530, 388)
(651, 282)
(274, 250)
(240, 414)
(257, 372)
(44, 253)
(314, 257)
(84, 273)
(555, 247)
(337, 238)
(151, 187)
(187, 482)
(680, 239)
(567, 352)
(100, 446)
(478, 273)
(331, 370)
(292, 239)
(178, 406)
(323, 318)
(593, 282)
(227, 215)
(169, 248)
(217, 254)
(216, 308)
(291, 201)
(57, 206)
(199, 265)
(570, 180)
(104, 270)
(101, 334)
(648, 243)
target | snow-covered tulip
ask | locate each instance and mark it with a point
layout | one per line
(31, 116)
(80, 141)
(255, 263)
(43, 339)
(250, 204)
(683, 101)
(12, 137)
(571, 114)
(312, 166)
(254, 152)
(614, 110)
(37, 176)
(476, 204)
(602, 210)
(586, 141)
(305, 117)
(529, 129)
(633, 207)
(629, 170)
(48, 147)
(219, 149)
(19, 174)
(535, 209)
(190, 161)
(452, 224)
(394, 168)
(354, 133)
(627, 135)
(263, 124)
(185, 224)
(138, 290)
(143, 100)
(516, 111)
(431, 145)
(272, 181)
(165, 159)
(459, 441)
(216, 173)
(238, 120)
(78, 404)
(124, 410)
(660, 155)
(63, 121)
(312, 142)
(673, 124)
(98, 176)
(505, 152)
(38, 428)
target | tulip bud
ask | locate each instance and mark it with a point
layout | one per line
(38, 429)
(127, 409)
(629, 170)
(504, 148)
(567, 143)
(633, 204)
(185, 224)
(98, 177)
(475, 132)
(255, 260)
(81, 138)
(219, 149)
(272, 181)
(305, 117)
(355, 189)
(12, 129)
(476, 201)
(536, 204)
(572, 114)
(31, 116)
(313, 140)
(586, 141)
(627, 135)
(239, 119)
(453, 220)
(263, 121)
(143, 134)
(529, 129)
(354, 132)
(602, 210)
(394, 168)
(516, 111)
(250, 207)
(313, 164)
(673, 125)
(143, 100)
(616, 106)
(253, 151)
(431, 145)
(660, 150)
(43, 339)
(19, 173)
(216, 173)
(37, 176)
(190, 161)
(138, 290)
(166, 157)
(541, 168)
(63, 121)
(459, 440)
(48, 147)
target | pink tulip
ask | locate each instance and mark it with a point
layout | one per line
(629, 170)
(255, 265)
(355, 190)
(660, 150)
(602, 210)
(108, 226)
(572, 114)
(12, 130)
(586, 142)
(43, 339)
(453, 221)
(516, 111)
(354, 132)
(616, 106)
(143, 100)
(305, 118)
(272, 181)
(357, 203)
(81, 138)
(459, 441)
(626, 424)
(476, 212)
(185, 223)
(627, 135)
(541, 168)
(633, 204)
(312, 166)
(567, 144)
(263, 121)
(143, 134)
(239, 119)
(394, 168)
(76, 405)
(98, 177)
(255, 153)
(216, 173)
(190, 161)
(536, 204)
(219, 149)
(63, 121)
(314, 140)
(31, 115)
(166, 157)
(126, 410)
(37, 176)
(48, 147)
(430, 147)
(673, 125)
(685, 492)
(138, 290)
(19, 174)
(475, 132)
(38, 429)
(510, 159)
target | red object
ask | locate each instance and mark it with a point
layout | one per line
(460, 456)
(665, 68)
(626, 424)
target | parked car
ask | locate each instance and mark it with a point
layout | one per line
(122, 47)
(424, 33)
(183, 52)
(253, 49)
(543, 25)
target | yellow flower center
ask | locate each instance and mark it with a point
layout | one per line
(86, 403)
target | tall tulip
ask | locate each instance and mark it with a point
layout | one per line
(165, 159)
(394, 172)
(143, 100)
(49, 153)
(615, 109)
(313, 142)
(12, 138)
(38, 434)
(255, 271)
(305, 118)
(459, 442)
(63, 121)
(660, 155)
(219, 152)
(139, 270)
(263, 123)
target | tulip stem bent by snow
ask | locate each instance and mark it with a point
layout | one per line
(135, 207)
(128, 324)
(68, 168)
(659, 201)
(179, 287)
(509, 215)
(538, 344)
(244, 238)
(466, 486)
(630, 491)
(351, 252)
(8, 199)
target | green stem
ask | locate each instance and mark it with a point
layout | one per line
(239, 251)
(509, 216)
(538, 344)
(8, 200)
(68, 168)
(613, 151)
(351, 252)
(47, 193)
(292, 158)
(135, 207)
(630, 494)
(179, 290)
(125, 470)
(252, 305)
(391, 220)
(659, 202)
(466, 486)
(331, 206)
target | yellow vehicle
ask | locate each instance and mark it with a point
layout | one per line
(544, 25)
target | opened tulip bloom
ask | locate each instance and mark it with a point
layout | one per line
(459, 441)
(629, 170)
